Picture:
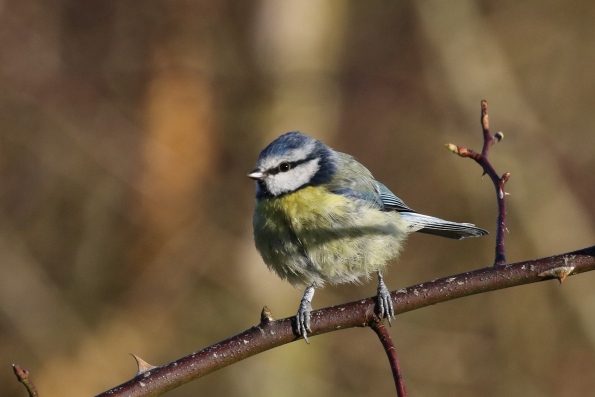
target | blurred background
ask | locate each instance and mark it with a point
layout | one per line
(126, 132)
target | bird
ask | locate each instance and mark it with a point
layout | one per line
(321, 217)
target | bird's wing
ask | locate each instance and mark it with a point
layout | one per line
(390, 202)
(430, 225)
(424, 223)
(355, 181)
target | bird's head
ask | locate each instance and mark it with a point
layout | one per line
(291, 162)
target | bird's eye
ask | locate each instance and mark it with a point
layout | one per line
(284, 167)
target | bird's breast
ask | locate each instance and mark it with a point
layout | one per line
(324, 235)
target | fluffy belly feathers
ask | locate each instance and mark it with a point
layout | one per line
(312, 236)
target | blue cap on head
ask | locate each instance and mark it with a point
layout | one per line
(289, 141)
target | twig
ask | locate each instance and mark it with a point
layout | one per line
(271, 333)
(391, 353)
(499, 182)
(23, 377)
(482, 159)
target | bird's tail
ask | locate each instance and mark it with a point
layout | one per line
(439, 227)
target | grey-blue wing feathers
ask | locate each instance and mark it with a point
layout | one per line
(424, 223)
(355, 181)
(439, 227)
(390, 202)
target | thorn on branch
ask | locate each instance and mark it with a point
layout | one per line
(266, 316)
(558, 272)
(142, 365)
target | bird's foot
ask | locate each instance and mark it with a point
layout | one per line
(303, 319)
(303, 315)
(384, 302)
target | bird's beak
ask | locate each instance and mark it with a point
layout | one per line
(258, 175)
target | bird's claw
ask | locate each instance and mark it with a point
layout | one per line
(303, 319)
(385, 303)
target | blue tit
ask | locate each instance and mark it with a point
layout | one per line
(320, 216)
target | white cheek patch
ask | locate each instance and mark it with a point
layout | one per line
(285, 182)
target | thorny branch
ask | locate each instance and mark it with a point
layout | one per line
(272, 333)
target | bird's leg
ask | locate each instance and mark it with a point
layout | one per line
(303, 314)
(385, 304)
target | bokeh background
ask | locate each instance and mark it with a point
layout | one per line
(126, 132)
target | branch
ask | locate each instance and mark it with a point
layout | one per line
(271, 333)
(391, 353)
(23, 377)
(499, 182)
(481, 159)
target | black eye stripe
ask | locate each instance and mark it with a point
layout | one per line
(292, 164)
